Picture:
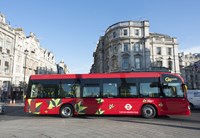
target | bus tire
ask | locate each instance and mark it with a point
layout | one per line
(148, 111)
(66, 111)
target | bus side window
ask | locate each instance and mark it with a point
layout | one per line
(69, 90)
(110, 90)
(91, 90)
(149, 89)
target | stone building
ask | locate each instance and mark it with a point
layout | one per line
(62, 68)
(7, 42)
(190, 69)
(20, 57)
(129, 46)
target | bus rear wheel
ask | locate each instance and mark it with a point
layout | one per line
(66, 111)
(148, 111)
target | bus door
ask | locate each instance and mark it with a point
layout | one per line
(174, 101)
(90, 94)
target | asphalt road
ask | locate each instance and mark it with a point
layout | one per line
(17, 124)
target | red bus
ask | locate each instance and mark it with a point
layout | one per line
(148, 94)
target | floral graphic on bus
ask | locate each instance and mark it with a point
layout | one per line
(54, 103)
(99, 100)
(79, 108)
(111, 106)
(37, 108)
(28, 108)
(33, 107)
(99, 112)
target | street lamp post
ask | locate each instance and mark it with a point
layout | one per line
(25, 53)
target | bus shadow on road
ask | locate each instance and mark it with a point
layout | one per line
(160, 124)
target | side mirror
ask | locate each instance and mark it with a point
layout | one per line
(184, 87)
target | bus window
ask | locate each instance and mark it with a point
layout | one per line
(109, 89)
(66, 90)
(44, 89)
(91, 91)
(128, 90)
(37, 91)
(173, 90)
(149, 90)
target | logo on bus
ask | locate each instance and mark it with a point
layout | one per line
(167, 79)
(128, 106)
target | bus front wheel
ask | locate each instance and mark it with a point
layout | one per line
(66, 111)
(148, 111)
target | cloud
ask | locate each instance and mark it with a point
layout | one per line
(195, 49)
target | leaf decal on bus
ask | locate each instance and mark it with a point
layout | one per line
(54, 103)
(111, 106)
(37, 108)
(100, 100)
(80, 109)
(28, 108)
(99, 112)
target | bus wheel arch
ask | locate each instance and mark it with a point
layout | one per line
(66, 111)
(149, 111)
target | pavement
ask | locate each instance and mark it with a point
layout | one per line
(17, 103)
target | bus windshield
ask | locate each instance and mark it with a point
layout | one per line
(173, 90)
(172, 86)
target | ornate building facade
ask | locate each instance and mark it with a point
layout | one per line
(129, 46)
(20, 57)
(7, 43)
(190, 69)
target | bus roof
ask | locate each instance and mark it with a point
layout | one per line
(97, 76)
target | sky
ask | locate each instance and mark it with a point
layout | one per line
(71, 28)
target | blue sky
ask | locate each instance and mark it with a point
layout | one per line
(71, 28)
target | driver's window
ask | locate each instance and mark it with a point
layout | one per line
(173, 90)
(169, 91)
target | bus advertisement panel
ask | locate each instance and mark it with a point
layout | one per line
(148, 94)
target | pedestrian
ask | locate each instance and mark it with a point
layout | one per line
(13, 97)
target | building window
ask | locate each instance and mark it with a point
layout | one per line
(7, 51)
(1, 42)
(137, 63)
(158, 51)
(125, 32)
(115, 50)
(114, 34)
(6, 68)
(159, 63)
(125, 63)
(136, 31)
(114, 63)
(169, 51)
(0, 49)
(125, 48)
(137, 47)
